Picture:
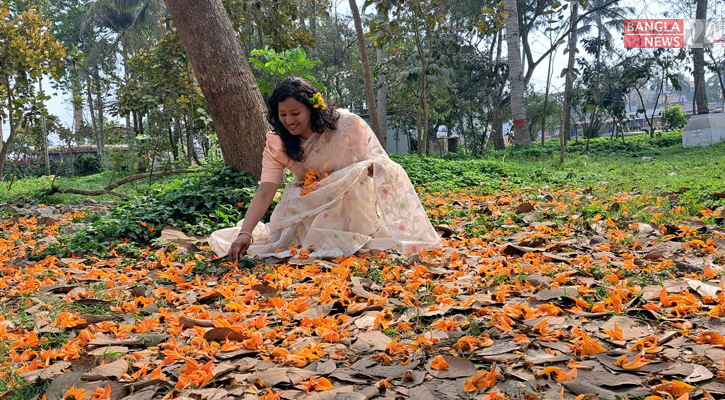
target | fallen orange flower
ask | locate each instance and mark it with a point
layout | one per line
(317, 384)
(68, 320)
(560, 374)
(673, 388)
(74, 394)
(102, 394)
(615, 333)
(638, 362)
(439, 363)
(486, 380)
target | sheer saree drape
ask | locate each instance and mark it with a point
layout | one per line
(347, 211)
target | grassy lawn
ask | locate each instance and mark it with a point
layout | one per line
(36, 187)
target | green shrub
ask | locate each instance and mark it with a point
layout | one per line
(87, 165)
(674, 117)
(198, 204)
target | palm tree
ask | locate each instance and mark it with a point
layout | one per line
(120, 21)
(606, 18)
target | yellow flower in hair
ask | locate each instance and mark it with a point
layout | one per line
(317, 101)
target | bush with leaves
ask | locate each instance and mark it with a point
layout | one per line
(275, 66)
(198, 204)
(87, 165)
(674, 117)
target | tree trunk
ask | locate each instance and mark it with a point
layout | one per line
(5, 145)
(419, 124)
(77, 102)
(698, 61)
(546, 99)
(518, 107)
(565, 133)
(382, 100)
(367, 75)
(101, 134)
(189, 139)
(497, 125)
(176, 134)
(226, 80)
(173, 134)
(92, 112)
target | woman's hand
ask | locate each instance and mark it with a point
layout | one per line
(239, 248)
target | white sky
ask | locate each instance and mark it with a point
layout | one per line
(60, 106)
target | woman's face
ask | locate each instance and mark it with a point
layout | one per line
(295, 116)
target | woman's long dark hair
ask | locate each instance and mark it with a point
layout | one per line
(320, 120)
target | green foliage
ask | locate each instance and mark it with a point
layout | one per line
(87, 164)
(274, 67)
(674, 117)
(28, 52)
(15, 388)
(198, 204)
(441, 174)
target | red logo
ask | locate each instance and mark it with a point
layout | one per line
(654, 33)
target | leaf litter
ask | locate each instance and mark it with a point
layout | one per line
(530, 298)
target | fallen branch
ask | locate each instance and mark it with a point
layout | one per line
(109, 189)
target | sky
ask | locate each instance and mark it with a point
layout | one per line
(59, 104)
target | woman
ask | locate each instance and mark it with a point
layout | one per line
(367, 201)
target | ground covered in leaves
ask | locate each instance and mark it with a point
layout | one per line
(558, 291)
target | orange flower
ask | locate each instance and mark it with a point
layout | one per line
(615, 333)
(102, 393)
(635, 364)
(477, 382)
(68, 320)
(439, 363)
(312, 178)
(560, 374)
(74, 394)
(317, 384)
(271, 395)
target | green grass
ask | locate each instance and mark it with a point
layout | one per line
(658, 166)
(36, 187)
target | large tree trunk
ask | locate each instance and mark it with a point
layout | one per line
(518, 107)
(698, 61)
(220, 66)
(566, 125)
(367, 75)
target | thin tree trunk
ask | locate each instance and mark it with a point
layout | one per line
(546, 99)
(220, 66)
(419, 123)
(497, 126)
(178, 143)
(172, 139)
(189, 139)
(5, 145)
(566, 125)
(698, 60)
(101, 133)
(516, 80)
(92, 111)
(367, 75)
(382, 94)
(497, 103)
(77, 101)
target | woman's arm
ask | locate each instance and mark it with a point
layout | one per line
(260, 204)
